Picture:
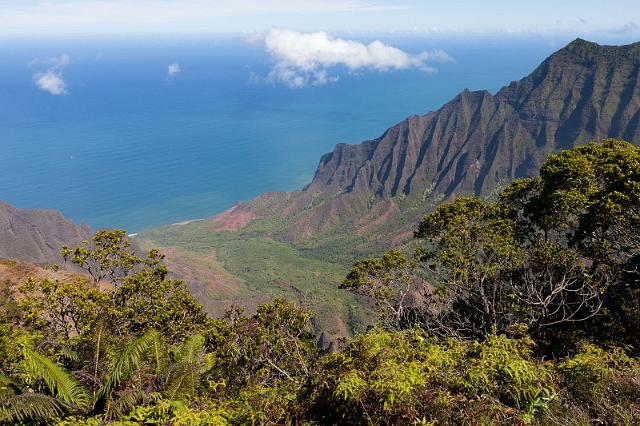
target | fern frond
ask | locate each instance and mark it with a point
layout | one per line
(127, 361)
(160, 355)
(191, 350)
(186, 371)
(29, 406)
(99, 330)
(126, 400)
(69, 353)
(61, 384)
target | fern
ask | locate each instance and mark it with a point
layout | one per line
(29, 406)
(60, 383)
(100, 328)
(187, 369)
(127, 361)
(159, 355)
(126, 400)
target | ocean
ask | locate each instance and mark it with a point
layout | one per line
(128, 147)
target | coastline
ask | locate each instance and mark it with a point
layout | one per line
(186, 222)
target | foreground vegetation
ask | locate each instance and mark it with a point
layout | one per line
(519, 311)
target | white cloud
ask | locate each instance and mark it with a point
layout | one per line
(55, 62)
(173, 70)
(303, 59)
(51, 80)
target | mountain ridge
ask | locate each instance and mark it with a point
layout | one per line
(523, 96)
(474, 143)
(366, 198)
(36, 236)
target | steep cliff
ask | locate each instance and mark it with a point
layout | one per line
(36, 235)
(478, 140)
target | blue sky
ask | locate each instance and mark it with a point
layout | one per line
(32, 17)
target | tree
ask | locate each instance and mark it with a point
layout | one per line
(139, 295)
(110, 256)
(588, 199)
(148, 299)
(547, 256)
(274, 345)
(489, 279)
(67, 308)
(393, 283)
(264, 366)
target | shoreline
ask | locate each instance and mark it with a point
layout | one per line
(186, 222)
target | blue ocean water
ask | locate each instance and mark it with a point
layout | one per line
(129, 148)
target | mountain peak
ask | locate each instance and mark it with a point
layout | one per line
(580, 48)
(581, 43)
(585, 49)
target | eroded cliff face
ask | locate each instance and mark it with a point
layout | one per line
(37, 235)
(581, 93)
(474, 143)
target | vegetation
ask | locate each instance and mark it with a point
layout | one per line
(277, 270)
(519, 311)
(555, 256)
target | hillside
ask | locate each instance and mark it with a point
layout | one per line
(36, 235)
(367, 197)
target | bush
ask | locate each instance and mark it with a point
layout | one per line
(601, 384)
(402, 377)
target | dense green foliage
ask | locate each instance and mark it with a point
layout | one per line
(276, 270)
(518, 311)
(556, 255)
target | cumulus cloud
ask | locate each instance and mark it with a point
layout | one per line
(51, 82)
(303, 59)
(50, 79)
(173, 70)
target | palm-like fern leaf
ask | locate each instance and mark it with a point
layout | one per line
(127, 361)
(124, 402)
(29, 406)
(61, 384)
(185, 373)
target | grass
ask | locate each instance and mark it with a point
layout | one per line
(266, 268)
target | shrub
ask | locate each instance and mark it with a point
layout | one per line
(402, 377)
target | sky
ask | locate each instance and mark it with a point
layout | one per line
(580, 17)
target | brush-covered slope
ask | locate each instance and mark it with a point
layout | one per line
(37, 235)
(367, 197)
